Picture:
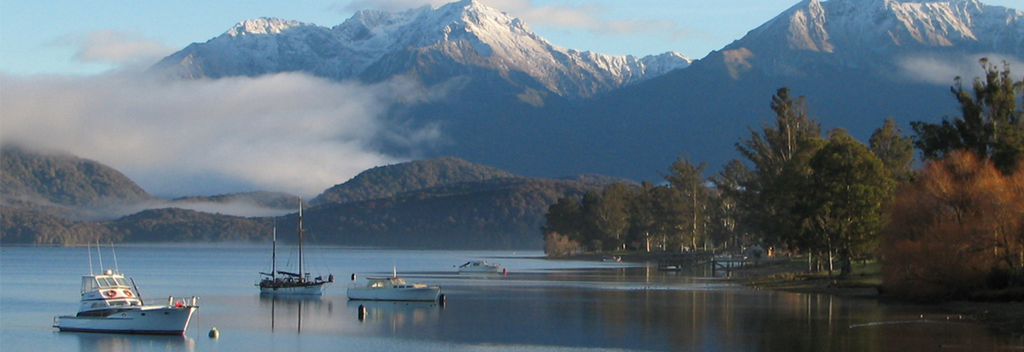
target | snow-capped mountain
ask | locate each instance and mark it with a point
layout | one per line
(376, 45)
(872, 34)
(857, 62)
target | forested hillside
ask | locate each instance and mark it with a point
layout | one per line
(388, 181)
(37, 180)
(435, 203)
(180, 225)
(502, 213)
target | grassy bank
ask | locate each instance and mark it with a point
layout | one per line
(793, 276)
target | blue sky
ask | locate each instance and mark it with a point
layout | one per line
(88, 36)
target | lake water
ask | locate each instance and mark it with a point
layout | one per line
(540, 305)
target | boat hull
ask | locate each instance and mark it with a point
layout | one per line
(304, 290)
(153, 321)
(394, 294)
(480, 270)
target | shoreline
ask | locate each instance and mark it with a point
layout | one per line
(1002, 316)
(1005, 317)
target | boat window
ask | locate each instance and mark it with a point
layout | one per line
(121, 282)
(89, 284)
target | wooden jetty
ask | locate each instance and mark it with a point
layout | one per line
(680, 261)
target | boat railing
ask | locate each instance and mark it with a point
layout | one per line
(182, 302)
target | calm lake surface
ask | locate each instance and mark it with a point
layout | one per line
(540, 305)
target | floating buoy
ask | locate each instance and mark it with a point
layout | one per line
(441, 299)
(362, 312)
(353, 277)
(214, 333)
(504, 271)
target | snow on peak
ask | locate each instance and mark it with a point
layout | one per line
(262, 25)
(821, 26)
(475, 34)
(375, 44)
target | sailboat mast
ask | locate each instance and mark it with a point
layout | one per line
(301, 274)
(273, 257)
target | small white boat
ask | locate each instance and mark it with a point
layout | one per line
(479, 267)
(393, 289)
(111, 304)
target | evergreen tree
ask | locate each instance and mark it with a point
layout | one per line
(687, 179)
(779, 154)
(669, 217)
(607, 215)
(641, 217)
(841, 206)
(564, 219)
(895, 150)
(991, 125)
(728, 221)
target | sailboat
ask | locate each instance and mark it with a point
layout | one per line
(282, 282)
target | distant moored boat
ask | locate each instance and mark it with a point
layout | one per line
(281, 282)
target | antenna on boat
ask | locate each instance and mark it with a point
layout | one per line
(117, 269)
(88, 249)
(100, 254)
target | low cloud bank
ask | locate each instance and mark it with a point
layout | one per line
(943, 70)
(287, 132)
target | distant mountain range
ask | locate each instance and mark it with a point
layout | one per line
(463, 38)
(525, 105)
(437, 203)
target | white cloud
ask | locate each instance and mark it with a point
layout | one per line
(943, 70)
(287, 132)
(115, 47)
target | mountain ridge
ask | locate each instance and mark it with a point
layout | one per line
(857, 62)
(375, 45)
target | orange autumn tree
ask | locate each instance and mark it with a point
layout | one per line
(957, 229)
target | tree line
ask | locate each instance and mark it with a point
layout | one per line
(834, 199)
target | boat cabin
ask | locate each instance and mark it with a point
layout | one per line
(107, 291)
(390, 282)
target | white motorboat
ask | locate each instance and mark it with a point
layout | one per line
(111, 304)
(479, 267)
(393, 289)
(279, 282)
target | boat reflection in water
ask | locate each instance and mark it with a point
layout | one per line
(397, 315)
(106, 342)
(287, 310)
